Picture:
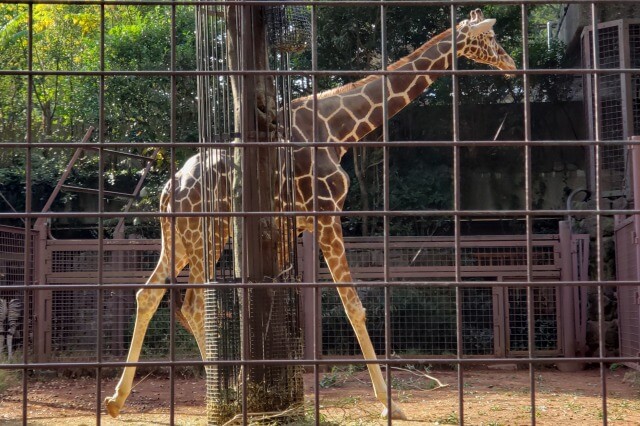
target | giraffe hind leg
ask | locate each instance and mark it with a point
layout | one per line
(147, 301)
(193, 312)
(193, 306)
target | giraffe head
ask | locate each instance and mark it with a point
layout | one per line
(479, 42)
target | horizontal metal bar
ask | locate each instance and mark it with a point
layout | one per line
(491, 214)
(269, 144)
(296, 2)
(322, 361)
(327, 284)
(320, 73)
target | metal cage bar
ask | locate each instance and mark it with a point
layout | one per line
(492, 300)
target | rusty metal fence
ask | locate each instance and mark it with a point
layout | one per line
(71, 320)
(423, 320)
(67, 318)
(81, 300)
(627, 268)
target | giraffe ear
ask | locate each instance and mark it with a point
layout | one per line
(476, 15)
(481, 27)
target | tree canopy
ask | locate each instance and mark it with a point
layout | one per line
(137, 109)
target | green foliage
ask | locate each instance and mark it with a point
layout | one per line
(339, 375)
(449, 419)
(421, 179)
(328, 380)
(138, 109)
(8, 379)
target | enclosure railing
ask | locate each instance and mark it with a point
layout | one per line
(79, 295)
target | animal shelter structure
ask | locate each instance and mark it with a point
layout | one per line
(67, 321)
(618, 117)
(627, 261)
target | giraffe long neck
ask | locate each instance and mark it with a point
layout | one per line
(349, 113)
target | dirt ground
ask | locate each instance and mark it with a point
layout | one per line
(491, 397)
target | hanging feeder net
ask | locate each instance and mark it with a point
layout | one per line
(222, 305)
(288, 27)
(279, 386)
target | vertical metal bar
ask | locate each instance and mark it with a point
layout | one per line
(27, 201)
(317, 308)
(172, 132)
(243, 267)
(528, 203)
(456, 208)
(598, 195)
(385, 202)
(101, 133)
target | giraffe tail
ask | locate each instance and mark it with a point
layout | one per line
(180, 317)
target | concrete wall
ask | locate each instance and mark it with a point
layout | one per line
(493, 177)
(578, 16)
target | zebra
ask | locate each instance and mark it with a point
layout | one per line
(10, 310)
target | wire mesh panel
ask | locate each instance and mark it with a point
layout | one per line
(611, 106)
(617, 108)
(259, 323)
(545, 320)
(478, 321)
(288, 27)
(74, 330)
(423, 320)
(629, 310)
(634, 62)
(14, 272)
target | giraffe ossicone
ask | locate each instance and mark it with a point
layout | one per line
(345, 114)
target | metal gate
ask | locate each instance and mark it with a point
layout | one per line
(628, 296)
(423, 320)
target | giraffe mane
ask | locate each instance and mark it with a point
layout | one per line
(403, 61)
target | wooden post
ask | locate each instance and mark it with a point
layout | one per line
(308, 258)
(567, 304)
(270, 387)
(41, 298)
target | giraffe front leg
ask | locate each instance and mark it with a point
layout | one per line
(147, 302)
(332, 246)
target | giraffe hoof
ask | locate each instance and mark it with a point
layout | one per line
(396, 413)
(112, 407)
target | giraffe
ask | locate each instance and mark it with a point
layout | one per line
(345, 114)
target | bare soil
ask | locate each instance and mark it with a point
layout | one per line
(491, 397)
